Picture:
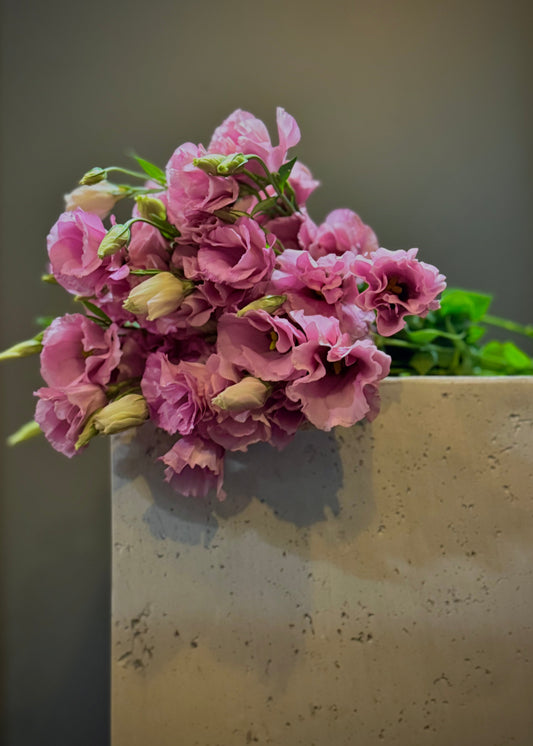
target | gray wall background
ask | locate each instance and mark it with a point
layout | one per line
(415, 114)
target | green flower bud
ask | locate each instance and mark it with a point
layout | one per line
(128, 411)
(22, 349)
(93, 176)
(269, 303)
(232, 164)
(150, 207)
(114, 240)
(158, 296)
(216, 164)
(26, 432)
(89, 431)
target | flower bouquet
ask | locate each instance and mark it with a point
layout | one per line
(224, 314)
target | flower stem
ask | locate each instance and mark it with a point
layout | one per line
(510, 326)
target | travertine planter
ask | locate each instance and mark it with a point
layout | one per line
(366, 586)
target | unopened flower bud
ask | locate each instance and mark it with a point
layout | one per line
(114, 240)
(216, 164)
(158, 296)
(232, 164)
(150, 207)
(98, 198)
(128, 411)
(26, 432)
(268, 303)
(93, 176)
(249, 393)
(22, 349)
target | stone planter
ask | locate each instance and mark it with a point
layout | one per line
(367, 586)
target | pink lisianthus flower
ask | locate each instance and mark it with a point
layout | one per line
(284, 416)
(241, 132)
(73, 252)
(340, 377)
(239, 254)
(325, 286)
(259, 344)
(290, 230)
(303, 183)
(398, 285)
(342, 231)
(191, 190)
(174, 393)
(62, 412)
(75, 349)
(147, 248)
(195, 466)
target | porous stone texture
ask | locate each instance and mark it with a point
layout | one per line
(371, 585)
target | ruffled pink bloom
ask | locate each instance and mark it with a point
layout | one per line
(339, 382)
(195, 466)
(73, 252)
(174, 393)
(241, 132)
(237, 254)
(62, 412)
(325, 286)
(260, 344)
(398, 285)
(290, 230)
(75, 349)
(284, 416)
(191, 190)
(147, 248)
(342, 231)
(301, 180)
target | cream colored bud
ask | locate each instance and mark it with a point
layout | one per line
(249, 393)
(269, 303)
(114, 240)
(22, 349)
(150, 207)
(96, 198)
(130, 410)
(158, 296)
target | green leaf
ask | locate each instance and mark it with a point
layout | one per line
(265, 205)
(475, 333)
(505, 356)
(424, 361)
(95, 310)
(43, 322)
(423, 336)
(153, 171)
(284, 172)
(142, 272)
(465, 302)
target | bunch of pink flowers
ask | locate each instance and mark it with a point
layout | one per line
(220, 310)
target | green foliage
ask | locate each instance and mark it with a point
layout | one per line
(151, 170)
(447, 341)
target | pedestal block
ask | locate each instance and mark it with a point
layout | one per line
(368, 586)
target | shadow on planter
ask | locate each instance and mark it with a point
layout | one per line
(299, 485)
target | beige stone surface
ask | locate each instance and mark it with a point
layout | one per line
(367, 586)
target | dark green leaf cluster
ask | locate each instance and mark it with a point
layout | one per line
(448, 341)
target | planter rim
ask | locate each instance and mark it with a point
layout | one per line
(457, 379)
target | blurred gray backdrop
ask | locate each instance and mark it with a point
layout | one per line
(415, 114)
